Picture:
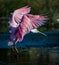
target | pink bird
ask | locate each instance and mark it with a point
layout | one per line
(22, 23)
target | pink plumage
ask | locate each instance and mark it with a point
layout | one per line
(28, 23)
(24, 23)
(18, 14)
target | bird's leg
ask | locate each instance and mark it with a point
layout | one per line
(42, 33)
(15, 51)
(36, 31)
(14, 48)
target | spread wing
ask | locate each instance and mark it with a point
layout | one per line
(19, 13)
(30, 22)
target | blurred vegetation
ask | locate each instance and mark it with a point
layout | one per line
(43, 7)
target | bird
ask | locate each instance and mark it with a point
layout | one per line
(22, 22)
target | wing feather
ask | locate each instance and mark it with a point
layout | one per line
(30, 22)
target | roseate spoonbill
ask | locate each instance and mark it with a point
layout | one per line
(22, 23)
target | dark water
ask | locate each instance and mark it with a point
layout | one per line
(30, 56)
(35, 49)
(33, 40)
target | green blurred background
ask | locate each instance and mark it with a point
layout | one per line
(43, 7)
(34, 55)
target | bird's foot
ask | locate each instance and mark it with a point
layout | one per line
(10, 43)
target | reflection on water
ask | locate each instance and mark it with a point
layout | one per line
(30, 56)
